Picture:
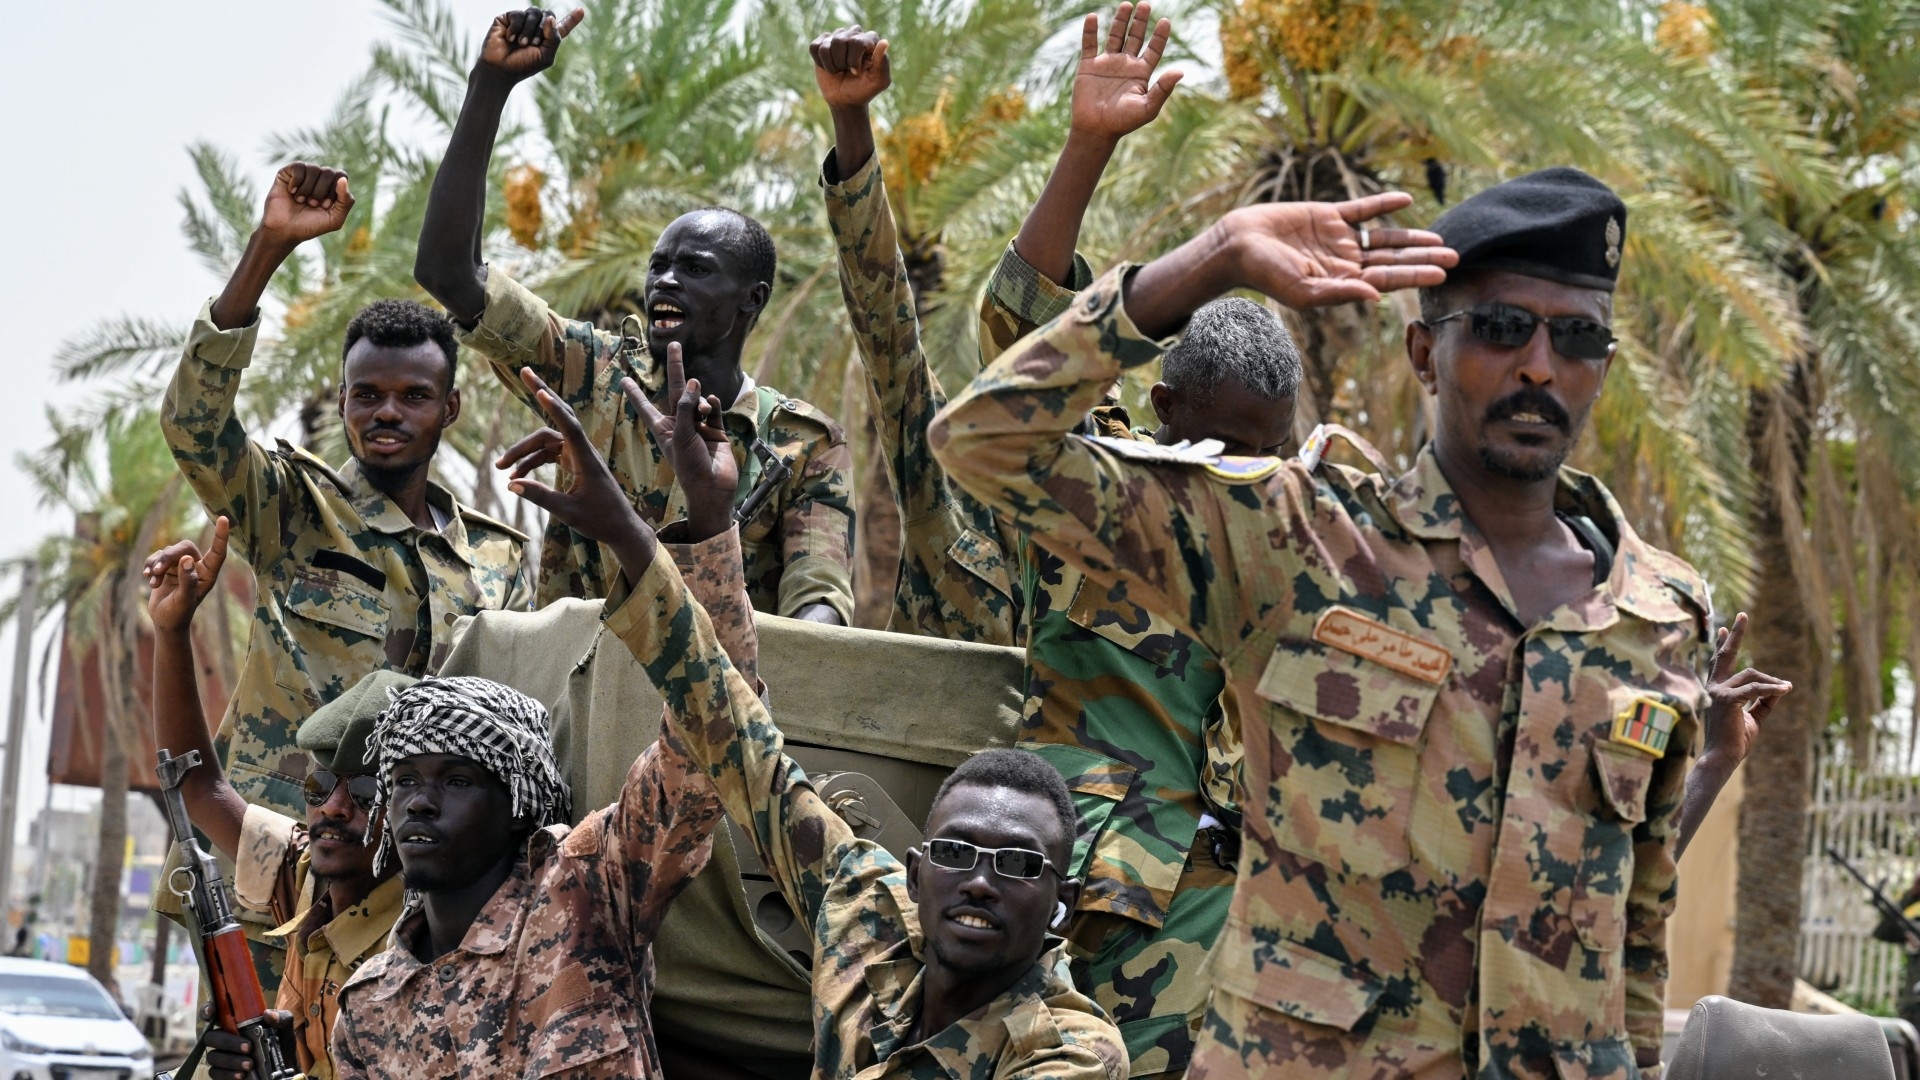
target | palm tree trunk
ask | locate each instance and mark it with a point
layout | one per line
(1773, 818)
(103, 919)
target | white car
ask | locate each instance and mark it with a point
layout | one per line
(56, 1023)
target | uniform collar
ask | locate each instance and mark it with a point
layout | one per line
(493, 930)
(353, 934)
(896, 982)
(382, 514)
(1644, 581)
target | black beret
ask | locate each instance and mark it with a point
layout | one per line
(336, 733)
(1559, 224)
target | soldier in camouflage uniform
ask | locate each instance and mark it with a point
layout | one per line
(360, 568)
(707, 283)
(312, 875)
(1468, 695)
(938, 968)
(1123, 704)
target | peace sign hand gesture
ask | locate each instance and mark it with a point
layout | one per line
(1737, 703)
(1111, 94)
(695, 446)
(592, 503)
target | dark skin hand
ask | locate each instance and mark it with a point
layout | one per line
(519, 45)
(694, 447)
(230, 1055)
(851, 68)
(1114, 95)
(180, 579)
(304, 201)
(1737, 705)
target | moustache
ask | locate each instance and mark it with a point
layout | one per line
(1530, 400)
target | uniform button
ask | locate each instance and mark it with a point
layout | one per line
(446, 972)
(313, 1009)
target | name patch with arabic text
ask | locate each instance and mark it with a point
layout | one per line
(1351, 632)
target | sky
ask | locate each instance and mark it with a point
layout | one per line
(99, 136)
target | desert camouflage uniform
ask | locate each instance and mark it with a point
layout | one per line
(1120, 702)
(799, 547)
(271, 874)
(867, 970)
(556, 972)
(346, 583)
(1450, 863)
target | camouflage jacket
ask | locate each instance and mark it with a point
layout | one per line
(271, 874)
(1456, 858)
(852, 893)
(556, 972)
(799, 547)
(346, 583)
(957, 576)
(1121, 703)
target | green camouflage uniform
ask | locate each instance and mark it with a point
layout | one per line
(347, 584)
(851, 893)
(1454, 862)
(1124, 705)
(799, 547)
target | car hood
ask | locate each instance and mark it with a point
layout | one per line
(74, 1034)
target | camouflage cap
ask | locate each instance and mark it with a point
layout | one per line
(336, 734)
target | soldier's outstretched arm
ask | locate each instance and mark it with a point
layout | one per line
(519, 45)
(717, 716)
(178, 579)
(1006, 439)
(229, 473)
(1114, 95)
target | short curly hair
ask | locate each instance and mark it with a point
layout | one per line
(1238, 339)
(1020, 770)
(755, 244)
(402, 324)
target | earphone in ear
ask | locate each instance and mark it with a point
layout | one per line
(1059, 913)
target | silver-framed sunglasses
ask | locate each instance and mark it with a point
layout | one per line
(1009, 862)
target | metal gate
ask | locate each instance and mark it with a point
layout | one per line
(1872, 818)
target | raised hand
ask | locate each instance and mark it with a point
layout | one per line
(695, 446)
(1310, 255)
(522, 44)
(1112, 96)
(1737, 702)
(179, 578)
(592, 504)
(305, 201)
(851, 67)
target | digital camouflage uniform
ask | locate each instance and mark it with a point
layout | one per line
(346, 583)
(1124, 705)
(556, 973)
(1451, 864)
(271, 875)
(867, 970)
(799, 547)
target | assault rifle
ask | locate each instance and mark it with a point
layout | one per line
(226, 964)
(1887, 908)
(775, 470)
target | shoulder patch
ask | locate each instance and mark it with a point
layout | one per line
(309, 460)
(1318, 443)
(469, 514)
(1244, 470)
(1204, 452)
(794, 407)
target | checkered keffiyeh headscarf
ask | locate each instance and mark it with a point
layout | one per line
(501, 728)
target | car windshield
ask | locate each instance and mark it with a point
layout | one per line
(42, 995)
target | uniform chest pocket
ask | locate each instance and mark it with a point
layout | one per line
(979, 555)
(577, 1030)
(1345, 756)
(330, 597)
(1121, 875)
(1620, 776)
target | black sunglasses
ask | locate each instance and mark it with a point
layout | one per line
(1511, 327)
(1010, 862)
(362, 788)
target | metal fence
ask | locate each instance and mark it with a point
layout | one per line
(1869, 815)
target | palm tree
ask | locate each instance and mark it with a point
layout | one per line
(120, 483)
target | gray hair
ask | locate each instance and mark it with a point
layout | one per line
(1233, 337)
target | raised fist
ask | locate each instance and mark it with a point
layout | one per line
(1112, 96)
(521, 44)
(851, 66)
(306, 201)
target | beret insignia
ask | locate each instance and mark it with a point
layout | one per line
(1613, 241)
